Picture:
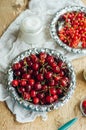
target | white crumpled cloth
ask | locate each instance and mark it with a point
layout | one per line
(11, 46)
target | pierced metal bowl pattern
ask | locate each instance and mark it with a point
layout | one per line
(41, 108)
(53, 28)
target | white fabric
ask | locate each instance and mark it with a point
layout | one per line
(11, 46)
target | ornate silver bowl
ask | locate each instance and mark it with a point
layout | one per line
(61, 23)
(41, 108)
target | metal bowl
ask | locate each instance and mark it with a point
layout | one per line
(41, 108)
(61, 23)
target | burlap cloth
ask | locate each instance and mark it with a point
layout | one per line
(9, 10)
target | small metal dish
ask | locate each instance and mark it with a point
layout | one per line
(61, 23)
(41, 108)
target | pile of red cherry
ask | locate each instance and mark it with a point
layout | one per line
(41, 78)
(73, 33)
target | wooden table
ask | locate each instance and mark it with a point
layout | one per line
(9, 10)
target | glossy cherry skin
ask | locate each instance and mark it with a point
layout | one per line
(14, 83)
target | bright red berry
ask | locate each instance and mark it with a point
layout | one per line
(16, 66)
(84, 104)
(14, 83)
(35, 100)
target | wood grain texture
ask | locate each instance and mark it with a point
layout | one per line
(9, 10)
(56, 117)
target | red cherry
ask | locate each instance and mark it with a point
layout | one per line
(37, 86)
(52, 91)
(43, 101)
(50, 59)
(27, 59)
(66, 79)
(34, 58)
(53, 64)
(21, 89)
(40, 77)
(35, 100)
(26, 76)
(33, 93)
(35, 66)
(16, 66)
(27, 88)
(84, 104)
(63, 82)
(23, 70)
(17, 73)
(48, 75)
(57, 78)
(49, 99)
(22, 62)
(61, 73)
(26, 96)
(42, 55)
(29, 63)
(14, 83)
(31, 82)
(30, 71)
(59, 91)
(51, 82)
(35, 73)
(56, 69)
(23, 82)
(44, 87)
(55, 97)
(40, 95)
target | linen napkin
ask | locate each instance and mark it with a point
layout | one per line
(11, 46)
